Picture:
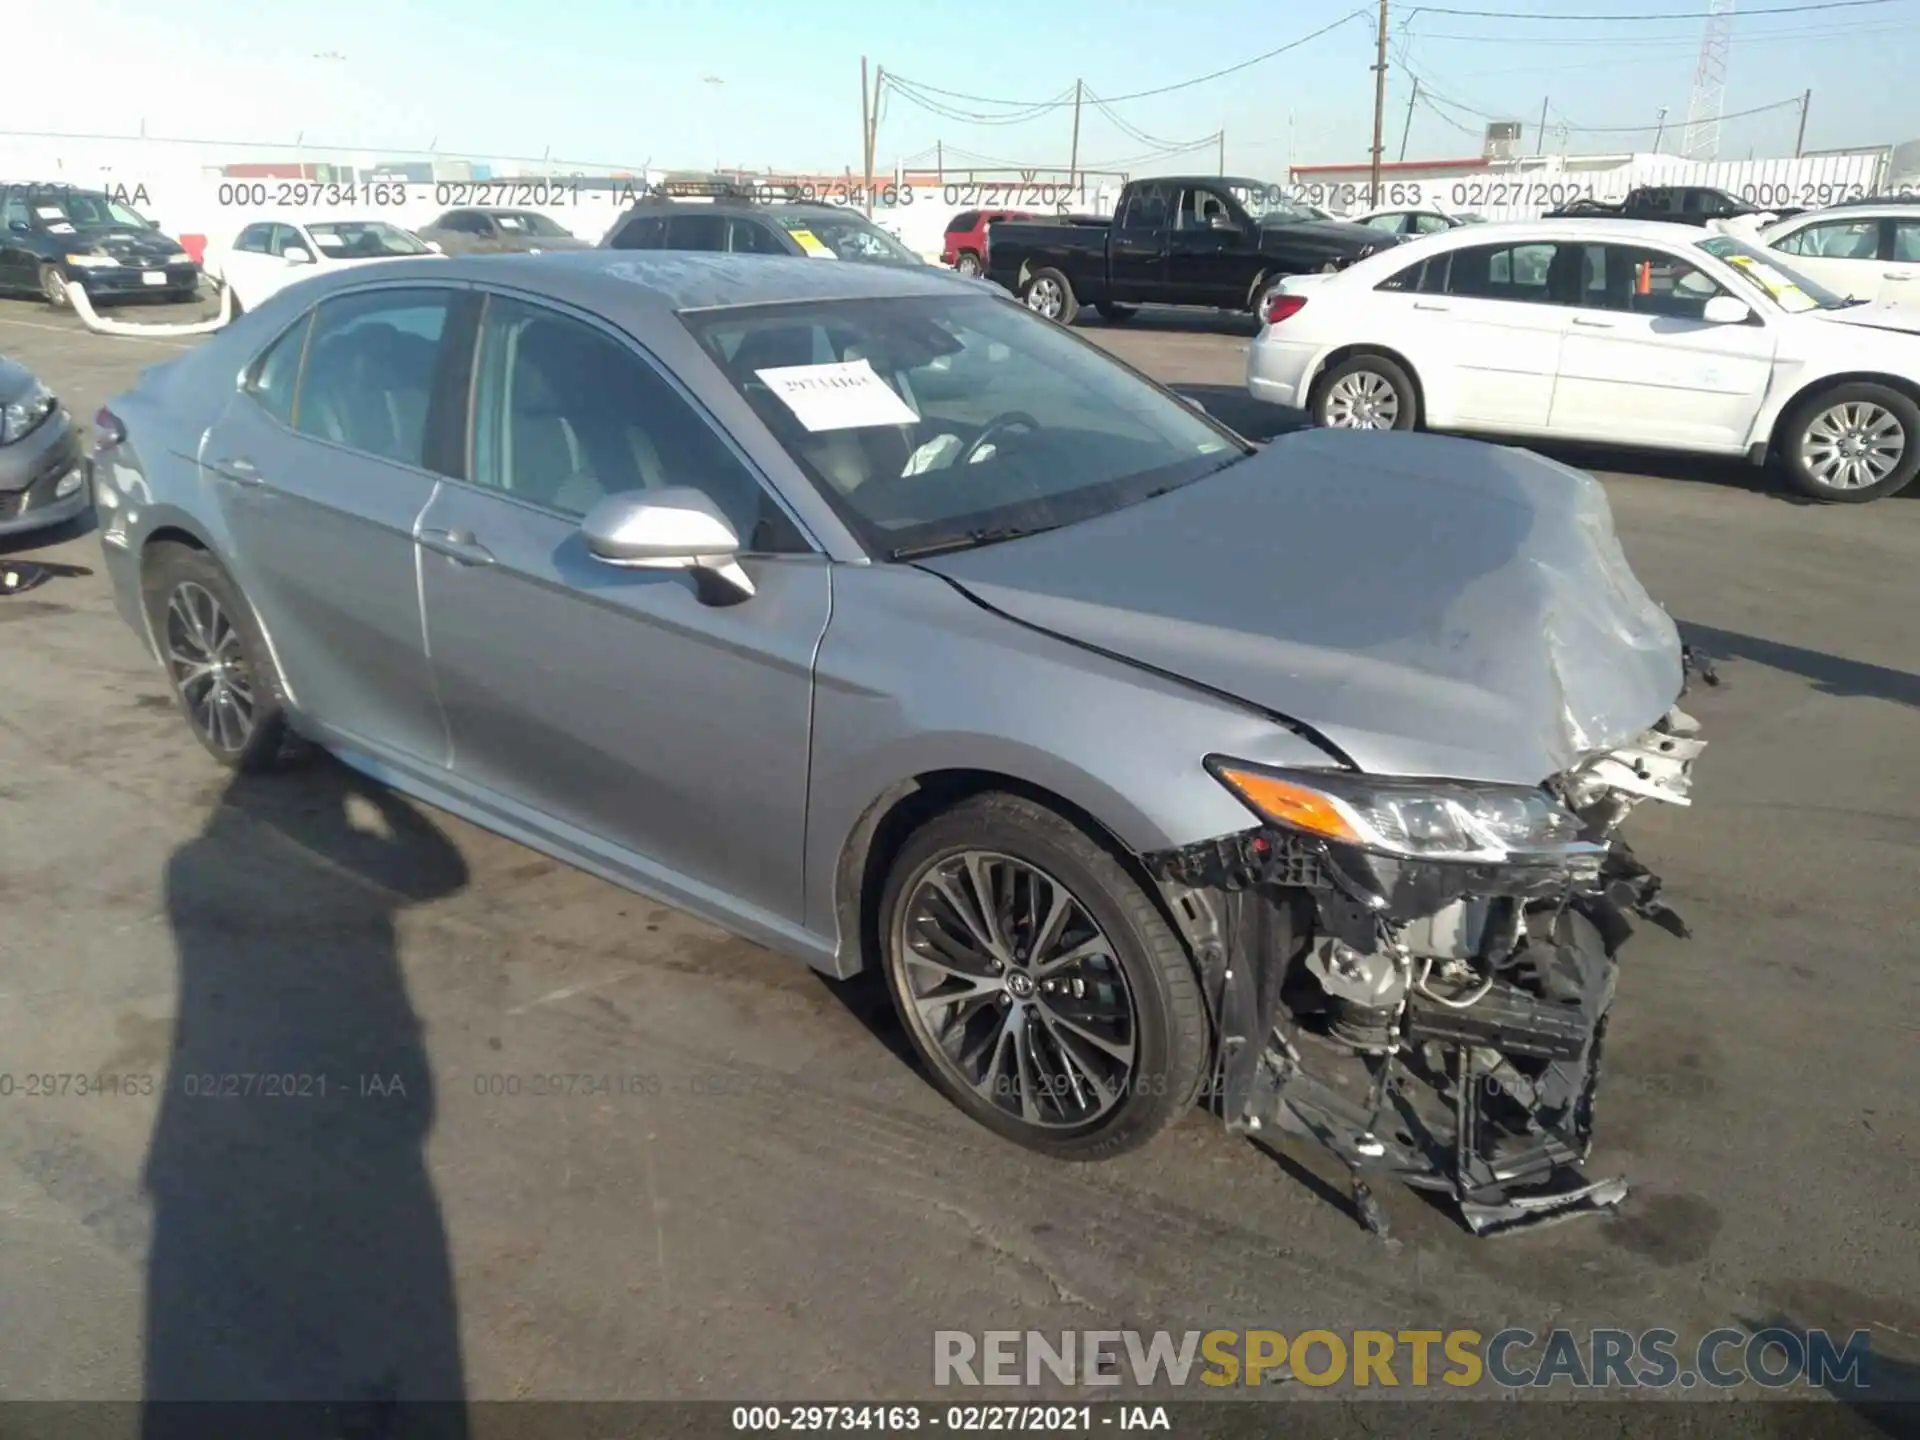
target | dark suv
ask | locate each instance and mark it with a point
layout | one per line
(53, 236)
(743, 225)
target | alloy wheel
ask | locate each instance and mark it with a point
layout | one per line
(1853, 445)
(1044, 297)
(1362, 401)
(1016, 990)
(968, 264)
(54, 287)
(209, 668)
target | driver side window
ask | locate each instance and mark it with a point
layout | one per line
(565, 416)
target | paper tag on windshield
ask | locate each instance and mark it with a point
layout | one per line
(810, 242)
(844, 396)
(49, 212)
(59, 227)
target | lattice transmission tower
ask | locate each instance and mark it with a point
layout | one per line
(1709, 98)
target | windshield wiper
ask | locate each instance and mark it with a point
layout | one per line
(972, 539)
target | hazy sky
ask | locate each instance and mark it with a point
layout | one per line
(766, 84)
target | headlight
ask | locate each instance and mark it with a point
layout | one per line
(93, 260)
(179, 257)
(21, 414)
(1420, 819)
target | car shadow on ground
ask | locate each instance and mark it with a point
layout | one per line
(1173, 320)
(1233, 407)
(1829, 674)
(298, 1249)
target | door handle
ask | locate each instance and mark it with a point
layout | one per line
(1896, 275)
(457, 545)
(239, 469)
(1593, 324)
(1419, 305)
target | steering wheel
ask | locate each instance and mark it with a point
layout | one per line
(1011, 420)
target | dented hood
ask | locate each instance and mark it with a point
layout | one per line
(1430, 606)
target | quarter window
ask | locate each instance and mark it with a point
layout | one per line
(565, 416)
(276, 373)
(368, 381)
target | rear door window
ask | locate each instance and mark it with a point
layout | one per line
(368, 379)
(1502, 272)
(697, 232)
(643, 233)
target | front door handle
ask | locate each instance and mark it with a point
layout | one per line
(457, 545)
(1419, 305)
(1896, 275)
(1593, 324)
(239, 469)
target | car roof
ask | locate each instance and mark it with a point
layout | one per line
(1598, 228)
(1894, 209)
(670, 280)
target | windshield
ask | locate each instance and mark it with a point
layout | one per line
(941, 421)
(1266, 204)
(88, 212)
(1789, 289)
(529, 223)
(364, 240)
(830, 236)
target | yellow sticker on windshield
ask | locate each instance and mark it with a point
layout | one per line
(810, 242)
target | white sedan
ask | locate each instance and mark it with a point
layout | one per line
(1615, 331)
(269, 255)
(1859, 251)
(1416, 222)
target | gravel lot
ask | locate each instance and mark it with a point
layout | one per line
(772, 1203)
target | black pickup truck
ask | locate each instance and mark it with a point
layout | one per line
(1677, 204)
(1209, 241)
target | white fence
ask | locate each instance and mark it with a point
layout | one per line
(1526, 188)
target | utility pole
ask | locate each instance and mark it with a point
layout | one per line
(1379, 103)
(1800, 143)
(866, 127)
(1540, 142)
(1073, 163)
(939, 166)
(1407, 129)
(1660, 129)
(1223, 152)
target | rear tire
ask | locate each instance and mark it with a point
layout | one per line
(1048, 293)
(968, 264)
(987, 1002)
(1365, 392)
(217, 662)
(1852, 444)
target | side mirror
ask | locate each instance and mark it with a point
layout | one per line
(1725, 310)
(294, 255)
(1194, 403)
(434, 246)
(155, 225)
(677, 528)
(19, 227)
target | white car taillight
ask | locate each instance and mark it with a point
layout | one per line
(1282, 306)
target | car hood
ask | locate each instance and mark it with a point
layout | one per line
(15, 379)
(1901, 319)
(1428, 606)
(129, 243)
(1331, 237)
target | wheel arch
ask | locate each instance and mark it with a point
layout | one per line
(1813, 389)
(884, 827)
(1340, 354)
(179, 534)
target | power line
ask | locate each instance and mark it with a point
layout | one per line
(1163, 89)
(1798, 33)
(1642, 129)
(1685, 15)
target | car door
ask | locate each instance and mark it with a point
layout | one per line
(18, 266)
(239, 263)
(320, 466)
(618, 708)
(1487, 335)
(1900, 281)
(1137, 245)
(1841, 252)
(1641, 363)
(1213, 253)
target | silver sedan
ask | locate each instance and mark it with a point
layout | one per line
(865, 614)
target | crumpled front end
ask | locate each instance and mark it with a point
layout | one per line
(1437, 1022)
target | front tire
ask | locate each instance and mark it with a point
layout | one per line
(1062, 1014)
(218, 666)
(1050, 294)
(53, 288)
(1365, 392)
(1852, 444)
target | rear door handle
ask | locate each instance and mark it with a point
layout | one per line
(1421, 305)
(240, 470)
(1593, 324)
(457, 545)
(1896, 275)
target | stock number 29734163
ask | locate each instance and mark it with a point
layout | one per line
(304, 194)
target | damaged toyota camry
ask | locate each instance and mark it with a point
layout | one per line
(889, 626)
